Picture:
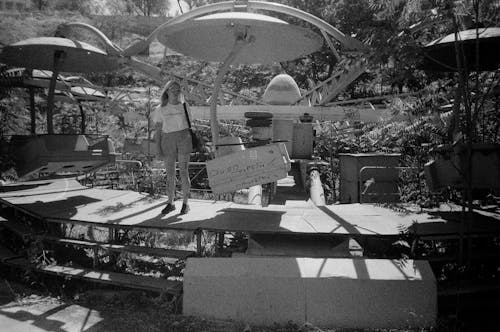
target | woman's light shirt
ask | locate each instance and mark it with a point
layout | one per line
(172, 117)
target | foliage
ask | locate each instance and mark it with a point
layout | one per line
(82, 6)
(412, 126)
(14, 116)
(40, 4)
(148, 7)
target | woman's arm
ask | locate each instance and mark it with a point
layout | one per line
(158, 126)
(189, 113)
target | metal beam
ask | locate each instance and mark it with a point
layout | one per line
(326, 113)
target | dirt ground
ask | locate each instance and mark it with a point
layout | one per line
(24, 308)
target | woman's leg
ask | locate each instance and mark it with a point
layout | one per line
(170, 168)
(184, 174)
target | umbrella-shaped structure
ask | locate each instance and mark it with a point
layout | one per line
(441, 54)
(57, 55)
(50, 153)
(264, 39)
(240, 35)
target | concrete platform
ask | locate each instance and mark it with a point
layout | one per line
(333, 292)
(66, 200)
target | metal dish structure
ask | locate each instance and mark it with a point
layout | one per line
(227, 32)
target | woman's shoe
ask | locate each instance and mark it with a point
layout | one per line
(185, 208)
(167, 209)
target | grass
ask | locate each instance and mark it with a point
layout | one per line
(18, 26)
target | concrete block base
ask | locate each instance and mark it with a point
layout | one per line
(327, 292)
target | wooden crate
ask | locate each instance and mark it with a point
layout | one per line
(243, 169)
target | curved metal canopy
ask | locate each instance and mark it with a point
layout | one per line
(38, 53)
(83, 93)
(212, 37)
(58, 55)
(440, 54)
(78, 93)
(347, 42)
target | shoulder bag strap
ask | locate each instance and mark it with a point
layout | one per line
(187, 115)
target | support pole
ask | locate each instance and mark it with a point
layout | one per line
(112, 237)
(220, 241)
(82, 116)
(32, 110)
(58, 60)
(197, 234)
(148, 114)
(214, 123)
(316, 191)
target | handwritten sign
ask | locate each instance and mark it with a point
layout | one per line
(248, 168)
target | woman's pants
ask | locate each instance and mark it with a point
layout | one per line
(183, 160)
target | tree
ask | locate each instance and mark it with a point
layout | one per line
(71, 5)
(149, 7)
(119, 7)
(40, 4)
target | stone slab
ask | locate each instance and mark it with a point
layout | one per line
(243, 289)
(383, 294)
(328, 292)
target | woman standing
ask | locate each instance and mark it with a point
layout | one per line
(173, 141)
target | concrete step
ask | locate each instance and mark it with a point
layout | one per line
(22, 230)
(350, 293)
(16, 227)
(119, 279)
(163, 252)
(468, 287)
(7, 254)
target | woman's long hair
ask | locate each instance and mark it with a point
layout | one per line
(164, 93)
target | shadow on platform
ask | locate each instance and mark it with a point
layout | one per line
(22, 186)
(450, 224)
(63, 208)
(234, 219)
